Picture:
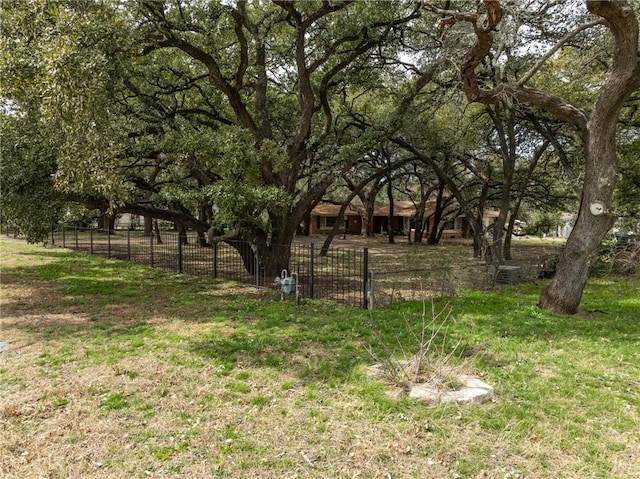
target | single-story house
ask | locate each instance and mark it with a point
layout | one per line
(323, 217)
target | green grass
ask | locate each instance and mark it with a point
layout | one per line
(133, 372)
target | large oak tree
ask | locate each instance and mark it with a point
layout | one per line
(235, 117)
(596, 127)
(210, 114)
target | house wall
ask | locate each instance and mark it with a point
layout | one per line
(322, 225)
(381, 224)
(459, 229)
(127, 221)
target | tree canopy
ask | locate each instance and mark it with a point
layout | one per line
(236, 117)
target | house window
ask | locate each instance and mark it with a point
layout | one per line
(325, 222)
(454, 224)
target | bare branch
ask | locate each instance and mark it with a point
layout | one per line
(569, 36)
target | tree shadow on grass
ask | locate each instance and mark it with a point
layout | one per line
(90, 291)
(82, 298)
(78, 296)
(305, 342)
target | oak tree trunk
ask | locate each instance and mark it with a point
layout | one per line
(564, 293)
(435, 232)
(595, 217)
(391, 212)
(597, 130)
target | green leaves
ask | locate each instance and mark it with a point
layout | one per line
(246, 109)
(242, 205)
(28, 199)
(62, 70)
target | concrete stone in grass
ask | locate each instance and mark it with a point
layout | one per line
(468, 389)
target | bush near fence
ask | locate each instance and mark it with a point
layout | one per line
(347, 275)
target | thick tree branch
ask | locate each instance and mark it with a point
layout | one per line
(216, 78)
(174, 216)
(483, 26)
(244, 45)
(624, 75)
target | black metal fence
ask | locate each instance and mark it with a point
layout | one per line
(340, 275)
(345, 275)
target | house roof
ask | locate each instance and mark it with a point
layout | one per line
(401, 208)
(333, 210)
(491, 213)
(404, 208)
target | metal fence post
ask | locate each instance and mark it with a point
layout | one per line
(215, 259)
(151, 249)
(365, 274)
(312, 257)
(129, 245)
(90, 239)
(64, 242)
(297, 291)
(108, 242)
(257, 269)
(371, 290)
(180, 251)
(75, 230)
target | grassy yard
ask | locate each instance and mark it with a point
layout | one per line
(116, 370)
